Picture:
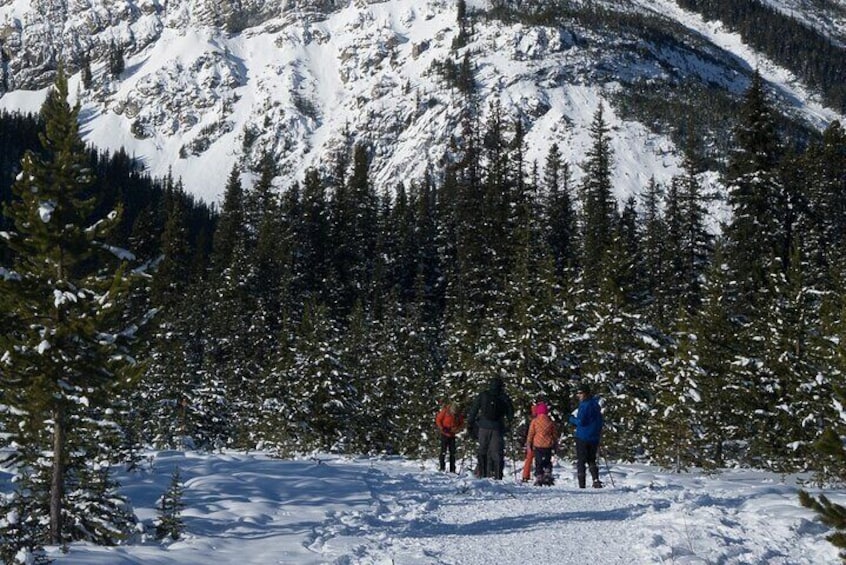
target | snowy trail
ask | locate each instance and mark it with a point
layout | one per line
(251, 509)
(466, 521)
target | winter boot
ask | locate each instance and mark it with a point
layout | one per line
(594, 472)
(597, 484)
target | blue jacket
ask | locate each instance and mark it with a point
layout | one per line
(588, 420)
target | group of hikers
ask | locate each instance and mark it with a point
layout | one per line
(490, 419)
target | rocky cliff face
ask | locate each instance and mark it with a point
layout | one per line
(205, 85)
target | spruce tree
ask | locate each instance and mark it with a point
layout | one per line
(677, 404)
(319, 388)
(755, 253)
(560, 213)
(180, 407)
(655, 267)
(64, 351)
(754, 247)
(170, 523)
(795, 384)
(715, 348)
(312, 264)
(599, 208)
(695, 243)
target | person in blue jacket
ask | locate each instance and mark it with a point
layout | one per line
(588, 421)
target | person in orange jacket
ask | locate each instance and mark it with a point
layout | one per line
(449, 422)
(542, 438)
(530, 454)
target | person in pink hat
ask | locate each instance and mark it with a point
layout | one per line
(542, 439)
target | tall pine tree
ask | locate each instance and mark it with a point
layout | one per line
(63, 352)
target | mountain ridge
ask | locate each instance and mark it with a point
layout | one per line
(206, 87)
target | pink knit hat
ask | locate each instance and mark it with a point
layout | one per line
(540, 408)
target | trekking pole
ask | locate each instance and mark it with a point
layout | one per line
(463, 458)
(513, 456)
(607, 466)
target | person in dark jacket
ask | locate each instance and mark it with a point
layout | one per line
(588, 422)
(490, 418)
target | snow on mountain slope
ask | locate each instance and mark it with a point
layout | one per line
(794, 97)
(208, 86)
(828, 16)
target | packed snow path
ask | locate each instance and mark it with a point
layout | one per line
(252, 509)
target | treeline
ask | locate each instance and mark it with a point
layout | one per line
(117, 180)
(814, 58)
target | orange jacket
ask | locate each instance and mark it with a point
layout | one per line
(448, 423)
(542, 432)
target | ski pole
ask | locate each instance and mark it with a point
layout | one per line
(607, 466)
(513, 456)
(463, 458)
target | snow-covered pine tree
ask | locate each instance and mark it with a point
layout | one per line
(320, 391)
(559, 213)
(795, 384)
(622, 359)
(406, 374)
(531, 342)
(754, 242)
(718, 425)
(64, 352)
(696, 243)
(353, 230)
(655, 256)
(312, 262)
(678, 404)
(169, 516)
(22, 521)
(830, 460)
(598, 205)
(173, 397)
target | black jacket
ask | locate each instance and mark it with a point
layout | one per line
(506, 409)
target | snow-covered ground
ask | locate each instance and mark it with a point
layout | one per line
(254, 509)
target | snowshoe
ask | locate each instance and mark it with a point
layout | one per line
(597, 484)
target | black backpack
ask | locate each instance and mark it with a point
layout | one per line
(491, 407)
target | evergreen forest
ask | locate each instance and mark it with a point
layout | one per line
(338, 315)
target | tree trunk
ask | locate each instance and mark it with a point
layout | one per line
(58, 476)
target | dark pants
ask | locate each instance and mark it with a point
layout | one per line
(586, 455)
(490, 454)
(543, 461)
(447, 443)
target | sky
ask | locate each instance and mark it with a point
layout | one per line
(251, 509)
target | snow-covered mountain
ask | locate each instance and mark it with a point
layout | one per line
(209, 84)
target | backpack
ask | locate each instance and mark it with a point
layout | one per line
(491, 407)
